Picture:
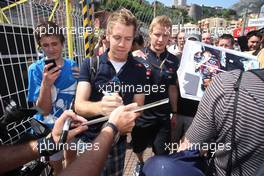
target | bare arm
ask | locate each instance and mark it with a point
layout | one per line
(44, 99)
(92, 161)
(14, 156)
(173, 95)
(84, 107)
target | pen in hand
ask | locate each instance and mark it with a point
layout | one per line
(107, 93)
(65, 130)
(66, 126)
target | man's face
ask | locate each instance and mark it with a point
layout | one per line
(206, 38)
(181, 39)
(121, 39)
(159, 38)
(253, 43)
(52, 47)
(225, 43)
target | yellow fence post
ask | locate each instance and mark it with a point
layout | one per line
(88, 23)
(3, 17)
(69, 28)
(14, 4)
(56, 5)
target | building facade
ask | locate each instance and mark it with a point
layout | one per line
(180, 2)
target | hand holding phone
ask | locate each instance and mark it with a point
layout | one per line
(48, 61)
(51, 72)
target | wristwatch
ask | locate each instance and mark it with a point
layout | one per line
(115, 131)
(47, 146)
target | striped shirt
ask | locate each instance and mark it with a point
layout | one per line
(213, 122)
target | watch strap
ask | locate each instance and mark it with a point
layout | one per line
(113, 126)
(115, 131)
(47, 146)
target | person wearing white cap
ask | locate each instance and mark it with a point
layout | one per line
(193, 37)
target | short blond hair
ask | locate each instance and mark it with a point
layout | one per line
(162, 20)
(122, 16)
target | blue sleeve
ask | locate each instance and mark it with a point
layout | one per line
(34, 83)
(73, 63)
(85, 71)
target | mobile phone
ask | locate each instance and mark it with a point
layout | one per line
(48, 61)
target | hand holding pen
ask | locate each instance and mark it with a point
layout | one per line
(71, 124)
(67, 121)
(134, 109)
(109, 102)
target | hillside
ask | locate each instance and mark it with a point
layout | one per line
(252, 5)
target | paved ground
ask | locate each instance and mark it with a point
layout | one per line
(131, 160)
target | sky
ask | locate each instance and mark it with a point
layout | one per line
(221, 3)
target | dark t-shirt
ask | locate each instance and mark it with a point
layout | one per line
(127, 82)
(161, 73)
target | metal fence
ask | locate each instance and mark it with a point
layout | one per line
(18, 47)
(18, 18)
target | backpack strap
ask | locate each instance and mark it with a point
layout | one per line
(233, 142)
(260, 74)
(94, 66)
